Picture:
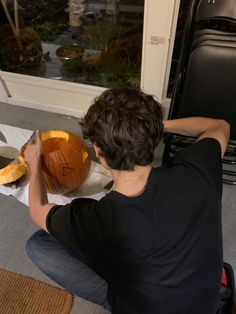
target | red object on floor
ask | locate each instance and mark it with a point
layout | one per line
(224, 278)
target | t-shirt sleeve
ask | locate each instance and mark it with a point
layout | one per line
(75, 225)
(204, 158)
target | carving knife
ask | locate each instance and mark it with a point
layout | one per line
(31, 139)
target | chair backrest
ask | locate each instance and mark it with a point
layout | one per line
(216, 9)
(205, 83)
(210, 84)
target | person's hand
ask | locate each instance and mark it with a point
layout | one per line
(33, 152)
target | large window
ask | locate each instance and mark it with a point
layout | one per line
(58, 55)
(82, 41)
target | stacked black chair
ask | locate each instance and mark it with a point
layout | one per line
(205, 83)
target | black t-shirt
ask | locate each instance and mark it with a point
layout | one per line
(161, 252)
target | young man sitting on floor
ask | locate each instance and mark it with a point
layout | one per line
(153, 244)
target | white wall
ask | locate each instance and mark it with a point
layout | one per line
(49, 95)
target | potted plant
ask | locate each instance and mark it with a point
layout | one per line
(69, 52)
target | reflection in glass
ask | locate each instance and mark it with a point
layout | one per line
(84, 41)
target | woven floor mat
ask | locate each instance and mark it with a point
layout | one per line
(23, 295)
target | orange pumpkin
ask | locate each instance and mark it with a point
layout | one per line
(65, 161)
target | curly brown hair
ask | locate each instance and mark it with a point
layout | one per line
(126, 124)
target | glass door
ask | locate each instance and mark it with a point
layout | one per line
(58, 55)
(82, 41)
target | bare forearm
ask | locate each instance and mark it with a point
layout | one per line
(200, 127)
(37, 191)
(194, 126)
(38, 200)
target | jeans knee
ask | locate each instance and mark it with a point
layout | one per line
(30, 247)
(35, 245)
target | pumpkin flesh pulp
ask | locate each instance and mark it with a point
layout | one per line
(57, 134)
(12, 173)
(53, 144)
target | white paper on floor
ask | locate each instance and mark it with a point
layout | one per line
(93, 186)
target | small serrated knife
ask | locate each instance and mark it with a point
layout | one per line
(31, 139)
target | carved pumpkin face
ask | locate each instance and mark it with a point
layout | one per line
(65, 161)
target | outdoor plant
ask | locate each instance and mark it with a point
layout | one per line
(20, 45)
(49, 31)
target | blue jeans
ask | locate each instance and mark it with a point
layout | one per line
(69, 272)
